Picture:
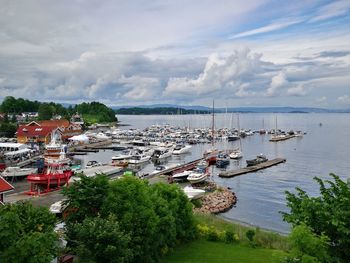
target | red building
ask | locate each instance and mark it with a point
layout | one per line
(5, 187)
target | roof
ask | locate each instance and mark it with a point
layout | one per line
(12, 145)
(5, 186)
(55, 123)
(31, 131)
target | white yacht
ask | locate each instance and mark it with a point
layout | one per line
(124, 155)
(198, 175)
(236, 154)
(17, 172)
(181, 149)
(139, 158)
(162, 153)
(181, 176)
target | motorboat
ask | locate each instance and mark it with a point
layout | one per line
(124, 155)
(139, 158)
(222, 160)
(92, 163)
(193, 193)
(160, 168)
(162, 153)
(236, 154)
(232, 138)
(259, 159)
(17, 172)
(181, 149)
(181, 176)
(198, 175)
(58, 207)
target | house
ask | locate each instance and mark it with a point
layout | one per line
(5, 187)
(40, 132)
(34, 134)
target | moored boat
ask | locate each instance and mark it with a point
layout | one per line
(17, 172)
(259, 159)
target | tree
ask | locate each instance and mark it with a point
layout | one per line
(307, 246)
(45, 111)
(328, 214)
(101, 240)
(27, 234)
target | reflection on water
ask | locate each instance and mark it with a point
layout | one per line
(261, 194)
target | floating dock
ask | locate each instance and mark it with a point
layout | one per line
(251, 169)
(281, 138)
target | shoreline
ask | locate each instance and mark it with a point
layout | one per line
(242, 223)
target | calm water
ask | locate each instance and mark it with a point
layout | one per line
(323, 150)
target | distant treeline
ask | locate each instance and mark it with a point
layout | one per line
(161, 111)
(93, 112)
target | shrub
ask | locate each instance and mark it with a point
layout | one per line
(250, 235)
(213, 235)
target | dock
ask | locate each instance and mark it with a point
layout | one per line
(177, 169)
(251, 169)
(281, 138)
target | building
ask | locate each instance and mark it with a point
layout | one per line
(5, 187)
(40, 132)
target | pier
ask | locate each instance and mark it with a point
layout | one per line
(177, 169)
(254, 168)
(281, 138)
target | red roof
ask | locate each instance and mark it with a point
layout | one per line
(55, 123)
(31, 131)
(5, 186)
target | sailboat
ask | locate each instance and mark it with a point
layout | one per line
(262, 131)
(211, 154)
(237, 153)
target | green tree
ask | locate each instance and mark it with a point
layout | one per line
(130, 201)
(27, 234)
(327, 214)
(307, 246)
(45, 111)
(101, 240)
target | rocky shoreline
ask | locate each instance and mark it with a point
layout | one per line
(217, 202)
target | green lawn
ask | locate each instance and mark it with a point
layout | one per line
(202, 251)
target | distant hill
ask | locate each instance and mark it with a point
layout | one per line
(158, 110)
(241, 109)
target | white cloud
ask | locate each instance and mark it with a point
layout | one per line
(229, 74)
(335, 8)
(277, 82)
(297, 91)
(345, 99)
(277, 25)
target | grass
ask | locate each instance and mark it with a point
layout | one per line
(263, 238)
(210, 252)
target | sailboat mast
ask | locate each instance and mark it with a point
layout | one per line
(212, 128)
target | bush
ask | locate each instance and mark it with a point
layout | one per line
(213, 235)
(230, 237)
(250, 235)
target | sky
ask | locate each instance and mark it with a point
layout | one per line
(257, 53)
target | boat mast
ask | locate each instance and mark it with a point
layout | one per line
(212, 129)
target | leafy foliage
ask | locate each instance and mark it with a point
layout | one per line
(27, 234)
(101, 111)
(328, 214)
(101, 240)
(148, 219)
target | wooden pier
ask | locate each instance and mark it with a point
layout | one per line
(251, 169)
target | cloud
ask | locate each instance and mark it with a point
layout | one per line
(277, 82)
(297, 91)
(321, 99)
(345, 99)
(269, 28)
(228, 74)
(334, 9)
